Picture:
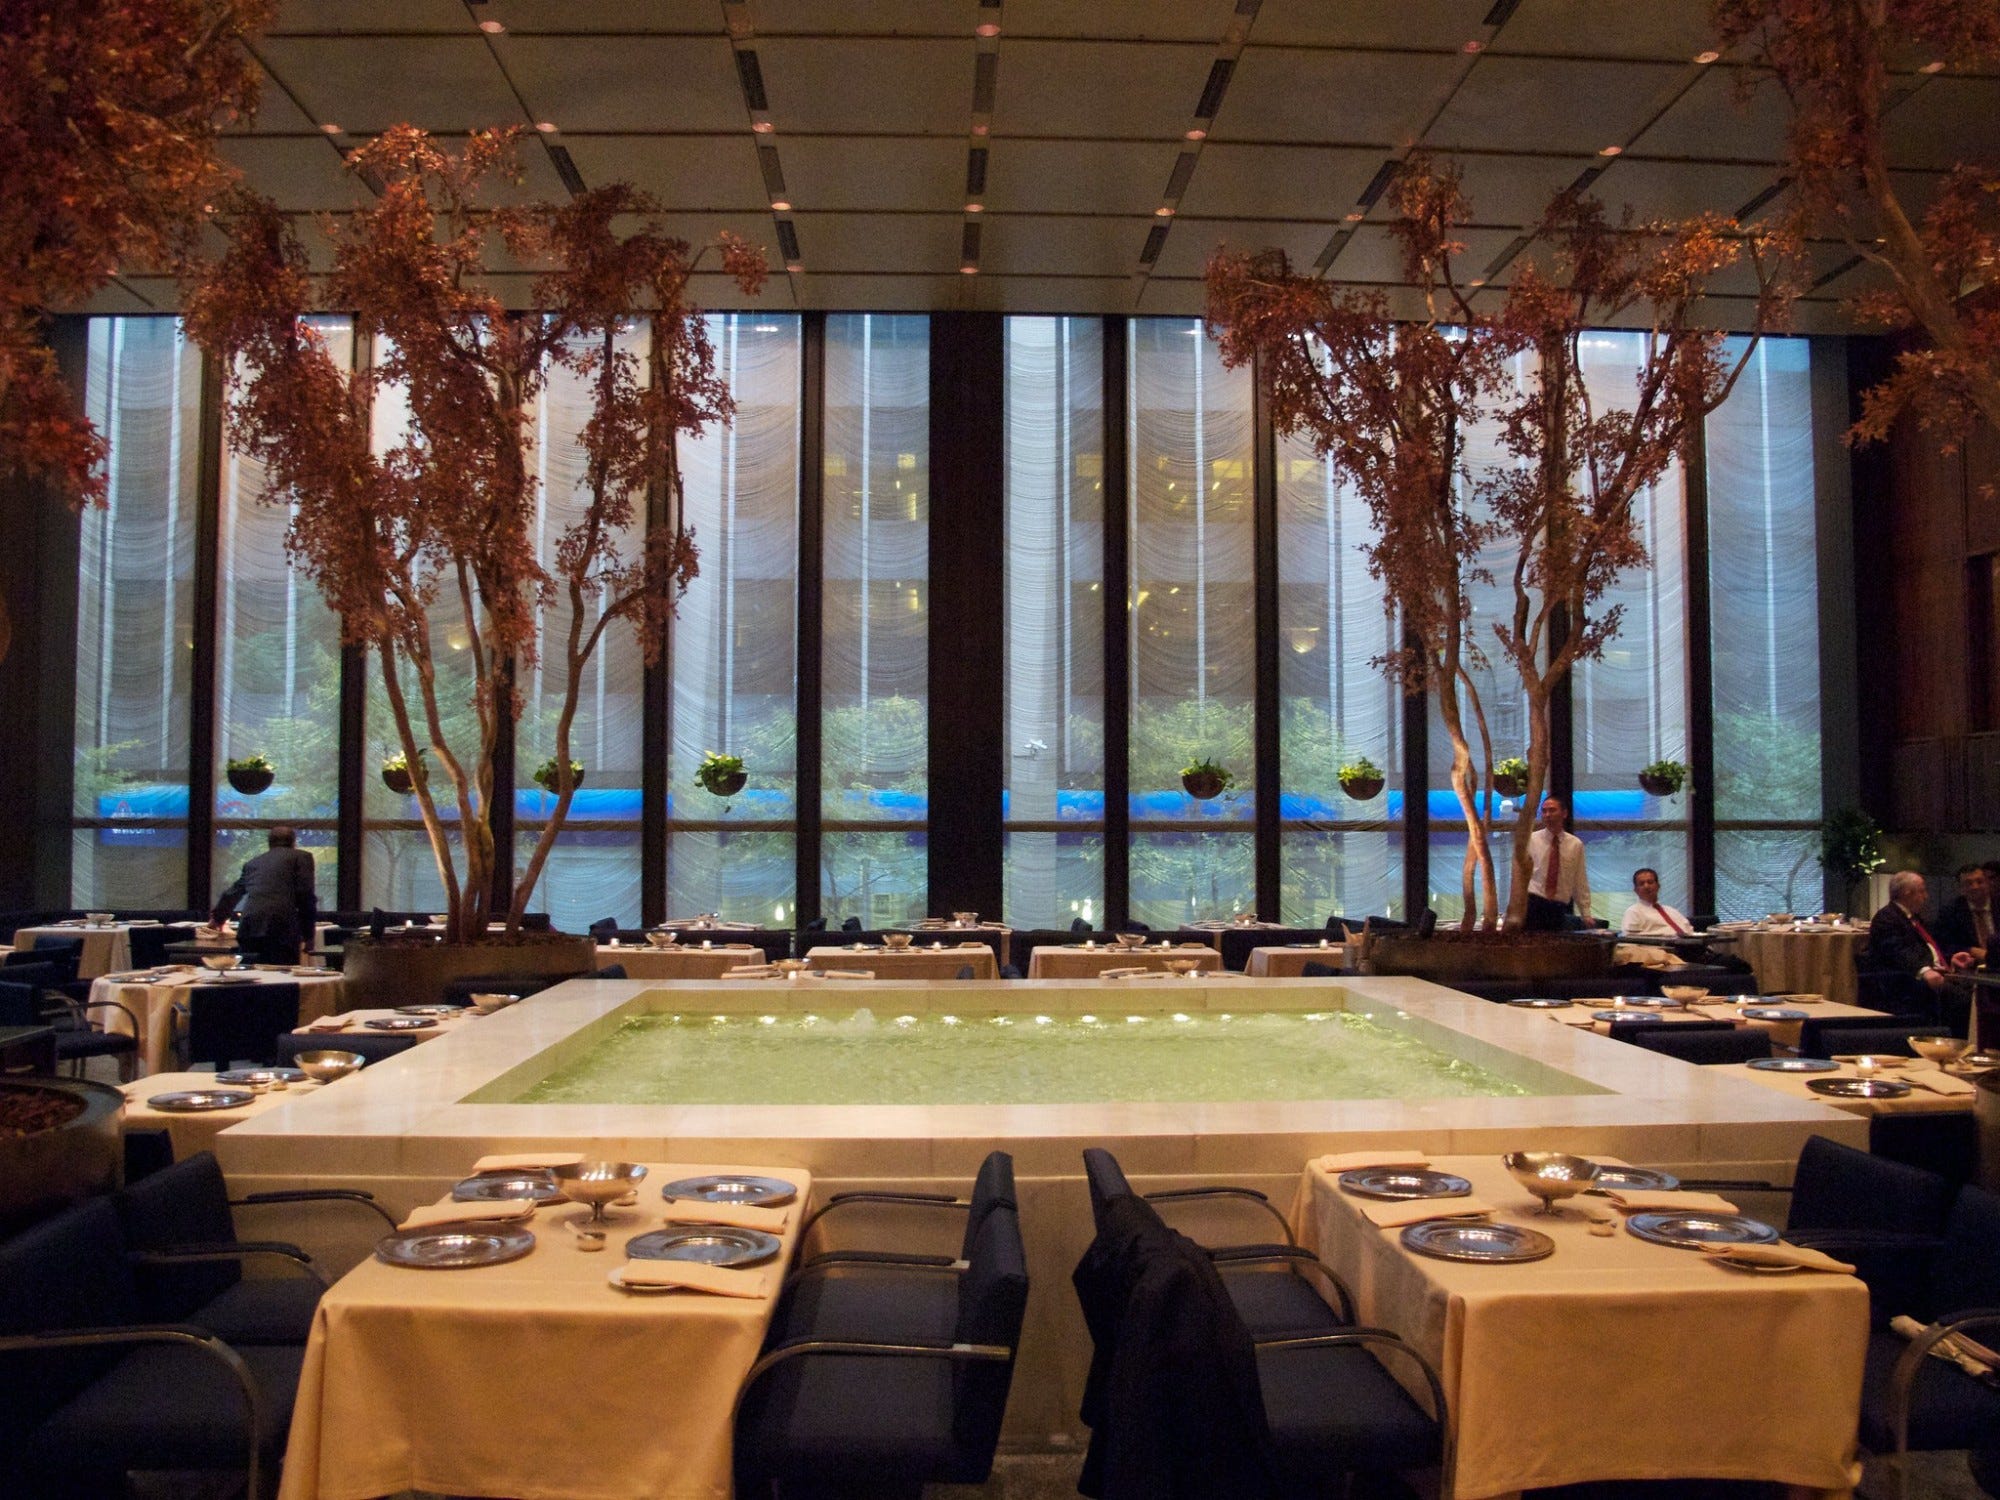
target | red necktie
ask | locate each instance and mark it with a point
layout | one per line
(1667, 917)
(1555, 865)
(1929, 942)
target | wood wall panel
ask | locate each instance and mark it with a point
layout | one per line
(1982, 492)
(1982, 783)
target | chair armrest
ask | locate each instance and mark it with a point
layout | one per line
(1173, 1195)
(1903, 1377)
(1363, 1337)
(1253, 1255)
(124, 1010)
(899, 1200)
(883, 1258)
(171, 1255)
(963, 1353)
(1729, 1184)
(316, 1195)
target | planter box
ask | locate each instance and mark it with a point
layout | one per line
(1202, 787)
(414, 971)
(727, 786)
(81, 1157)
(1448, 956)
(1363, 788)
(250, 783)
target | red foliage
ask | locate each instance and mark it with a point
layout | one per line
(450, 510)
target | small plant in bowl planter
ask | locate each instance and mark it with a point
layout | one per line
(1362, 779)
(396, 774)
(1205, 779)
(1510, 776)
(250, 774)
(720, 774)
(1663, 778)
(546, 775)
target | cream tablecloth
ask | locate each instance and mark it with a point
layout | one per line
(153, 1005)
(1783, 1033)
(1613, 1359)
(918, 961)
(1931, 1092)
(192, 1133)
(356, 1024)
(1077, 962)
(535, 1378)
(1803, 960)
(681, 961)
(1290, 962)
(106, 950)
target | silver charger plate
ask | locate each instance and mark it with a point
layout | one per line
(1793, 1065)
(1642, 1179)
(399, 1023)
(1396, 1184)
(507, 1187)
(1688, 1231)
(1502, 1243)
(453, 1247)
(196, 1101)
(710, 1244)
(1859, 1088)
(226, 976)
(1541, 1003)
(1641, 1016)
(427, 1010)
(1771, 1013)
(758, 1192)
(262, 1075)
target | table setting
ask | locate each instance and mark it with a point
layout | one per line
(672, 959)
(1587, 1315)
(1289, 961)
(1813, 954)
(1872, 1084)
(902, 956)
(421, 1023)
(470, 1325)
(1127, 953)
(147, 998)
(107, 942)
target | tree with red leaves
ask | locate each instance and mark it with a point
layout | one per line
(1833, 59)
(1394, 405)
(109, 115)
(446, 516)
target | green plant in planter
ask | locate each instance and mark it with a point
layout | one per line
(546, 774)
(1363, 769)
(1663, 778)
(1206, 778)
(258, 762)
(396, 771)
(721, 774)
(250, 774)
(1850, 845)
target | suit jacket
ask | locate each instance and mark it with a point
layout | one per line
(275, 890)
(1895, 943)
(1955, 930)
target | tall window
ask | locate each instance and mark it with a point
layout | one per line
(1339, 855)
(1055, 621)
(1765, 612)
(874, 657)
(135, 619)
(1193, 606)
(734, 644)
(277, 673)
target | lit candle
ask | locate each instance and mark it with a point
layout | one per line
(706, 943)
(1324, 943)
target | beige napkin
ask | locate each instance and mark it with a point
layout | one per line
(848, 974)
(1968, 1354)
(1126, 973)
(750, 971)
(736, 1215)
(456, 1213)
(1895, 1066)
(694, 1277)
(1779, 1254)
(1657, 1201)
(1417, 1210)
(329, 1023)
(1381, 1156)
(1938, 1081)
(526, 1161)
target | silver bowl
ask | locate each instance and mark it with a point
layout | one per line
(1187, 966)
(1130, 939)
(1685, 994)
(493, 1001)
(966, 918)
(1550, 1175)
(598, 1183)
(1939, 1049)
(896, 939)
(219, 961)
(100, 918)
(325, 1067)
(663, 939)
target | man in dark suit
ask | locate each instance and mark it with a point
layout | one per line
(1966, 925)
(278, 900)
(1898, 939)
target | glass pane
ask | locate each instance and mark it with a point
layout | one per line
(733, 875)
(1192, 877)
(135, 611)
(592, 872)
(1345, 873)
(1759, 870)
(399, 871)
(1614, 855)
(875, 658)
(235, 846)
(1192, 651)
(1052, 879)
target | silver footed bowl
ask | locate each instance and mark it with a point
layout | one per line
(663, 939)
(896, 939)
(325, 1067)
(1130, 939)
(1550, 1175)
(218, 961)
(1939, 1049)
(598, 1183)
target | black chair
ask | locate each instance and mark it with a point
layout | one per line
(604, 929)
(1236, 943)
(229, 1023)
(1693, 1043)
(1632, 1030)
(1079, 926)
(1823, 1036)
(1134, 925)
(1312, 968)
(188, 1263)
(852, 924)
(817, 924)
(150, 944)
(372, 1045)
(825, 1411)
(147, 1152)
(64, 952)
(91, 1391)
(460, 991)
(76, 1039)
(1884, 1216)
(613, 971)
(1947, 1145)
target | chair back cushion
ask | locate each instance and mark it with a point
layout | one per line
(1822, 1036)
(228, 1022)
(1966, 1274)
(993, 1187)
(1838, 1187)
(68, 1271)
(992, 1302)
(184, 1204)
(149, 944)
(1697, 1044)
(1107, 1182)
(20, 1004)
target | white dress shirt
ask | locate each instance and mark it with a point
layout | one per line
(1572, 884)
(1642, 920)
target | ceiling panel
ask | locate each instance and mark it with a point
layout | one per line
(275, 111)
(1086, 177)
(1293, 182)
(1067, 295)
(1680, 190)
(1122, 20)
(826, 172)
(1711, 121)
(932, 18)
(120, 298)
(440, 83)
(1076, 247)
(1429, 25)
(1936, 124)
(896, 87)
(298, 173)
(1510, 189)
(1374, 254)
(371, 15)
(1190, 245)
(1532, 104)
(835, 293)
(637, 83)
(528, 16)
(1347, 97)
(1114, 89)
(921, 243)
(694, 172)
(1665, 29)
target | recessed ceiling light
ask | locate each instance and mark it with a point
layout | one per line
(968, 270)
(1197, 135)
(493, 28)
(762, 127)
(1612, 151)
(1164, 211)
(1475, 45)
(329, 130)
(781, 205)
(546, 127)
(1932, 67)
(1477, 281)
(794, 265)
(975, 208)
(1353, 216)
(981, 129)
(1705, 58)
(987, 28)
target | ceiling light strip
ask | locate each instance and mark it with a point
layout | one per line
(985, 91)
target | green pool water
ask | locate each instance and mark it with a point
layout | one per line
(1014, 1059)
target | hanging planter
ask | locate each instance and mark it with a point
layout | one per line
(1510, 777)
(722, 775)
(396, 774)
(250, 774)
(1205, 780)
(546, 773)
(1663, 778)
(1362, 780)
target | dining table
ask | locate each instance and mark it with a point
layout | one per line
(147, 1001)
(1089, 961)
(1932, 1090)
(107, 946)
(533, 1377)
(192, 1131)
(335, 1024)
(1800, 957)
(925, 958)
(1612, 1358)
(1764, 1013)
(1289, 961)
(695, 960)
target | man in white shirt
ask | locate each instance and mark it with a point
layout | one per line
(1649, 916)
(1558, 888)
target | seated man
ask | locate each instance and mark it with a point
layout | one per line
(1898, 939)
(1966, 925)
(1649, 916)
